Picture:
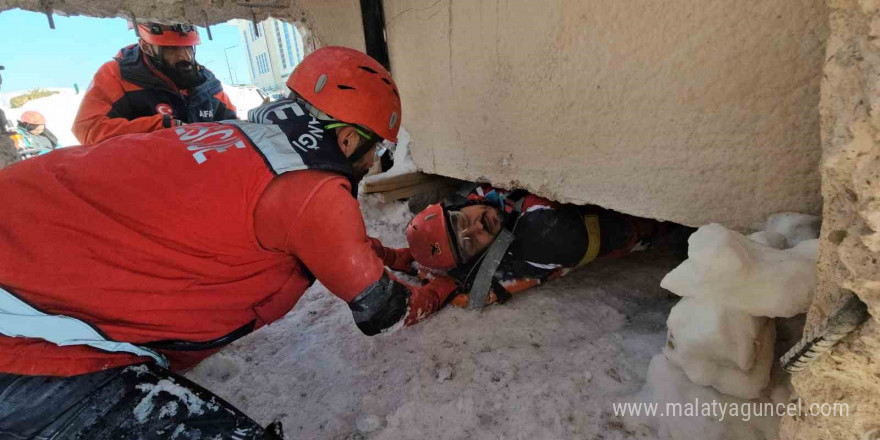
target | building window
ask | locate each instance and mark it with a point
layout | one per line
(293, 61)
(263, 63)
(280, 46)
(251, 27)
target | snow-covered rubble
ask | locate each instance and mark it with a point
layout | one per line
(548, 364)
(721, 347)
(667, 384)
(743, 274)
(722, 334)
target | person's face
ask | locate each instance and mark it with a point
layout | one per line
(181, 58)
(178, 63)
(363, 165)
(38, 130)
(476, 227)
(349, 142)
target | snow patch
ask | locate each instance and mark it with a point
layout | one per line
(721, 347)
(194, 404)
(742, 274)
(668, 386)
(794, 226)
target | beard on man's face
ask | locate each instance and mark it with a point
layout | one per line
(359, 170)
(184, 74)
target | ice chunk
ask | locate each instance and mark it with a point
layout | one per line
(794, 226)
(770, 238)
(721, 347)
(736, 272)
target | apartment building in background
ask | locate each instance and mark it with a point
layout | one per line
(273, 48)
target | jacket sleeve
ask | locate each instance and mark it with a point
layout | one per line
(102, 112)
(225, 110)
(397, 259)
(330, 238)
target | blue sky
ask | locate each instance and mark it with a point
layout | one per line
(36, 56)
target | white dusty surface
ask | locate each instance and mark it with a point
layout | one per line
(546, 365)
(742, 274)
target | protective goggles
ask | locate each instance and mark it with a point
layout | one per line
(458, 225)
(382, 145)
(159, 29)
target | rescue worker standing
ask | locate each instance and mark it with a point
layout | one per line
(151, 85)
(140, 269)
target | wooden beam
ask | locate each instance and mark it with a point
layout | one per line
(409, 191)
(397, 182)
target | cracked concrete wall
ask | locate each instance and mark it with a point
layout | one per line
(322, 22)
(849, 256)
(666, 109)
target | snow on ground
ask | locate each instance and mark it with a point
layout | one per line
(548, 364)
(59, 110)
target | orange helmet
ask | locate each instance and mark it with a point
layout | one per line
(169, 35)
(33, 118)
(428, 238)
(351, 87)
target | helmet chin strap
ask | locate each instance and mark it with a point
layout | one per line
(361, 151)
(157, 57)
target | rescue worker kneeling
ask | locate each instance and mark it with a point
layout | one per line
(547, 240)
(152, 251)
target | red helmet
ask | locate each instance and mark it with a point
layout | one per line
(428, 238)
(351, 87)
(169, 35)
(33, 118)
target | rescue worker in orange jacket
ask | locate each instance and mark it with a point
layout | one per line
(151, 85)
(547, 240)
(111, 271)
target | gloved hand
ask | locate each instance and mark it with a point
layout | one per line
(429, 298)
(400, 260)
(397, 259)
